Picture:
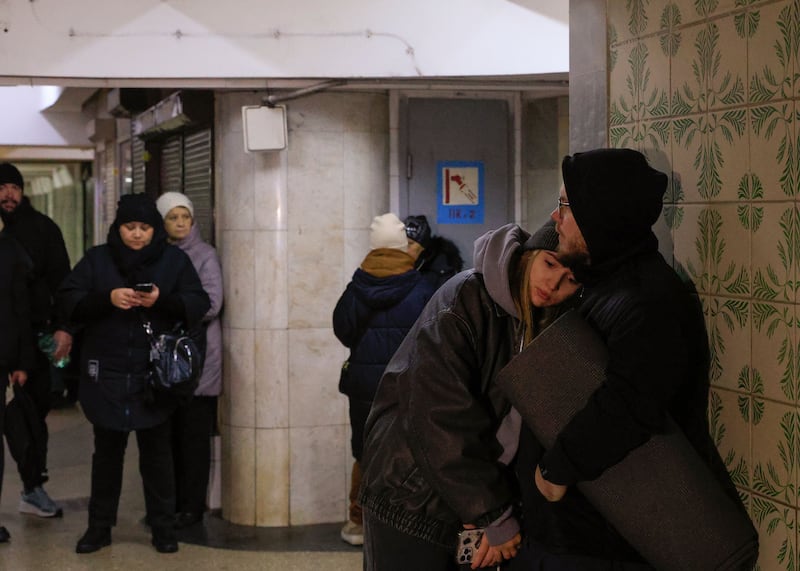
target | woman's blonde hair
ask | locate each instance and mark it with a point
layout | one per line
(531, 319)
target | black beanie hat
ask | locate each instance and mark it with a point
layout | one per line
(545, 238)
(9, 174)
(616, 197)
(417, 229)
(137, 208)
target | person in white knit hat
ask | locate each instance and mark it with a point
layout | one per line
(371, 318)
(194, 422)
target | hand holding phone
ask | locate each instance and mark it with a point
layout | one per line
(144, 287)
(468, 542)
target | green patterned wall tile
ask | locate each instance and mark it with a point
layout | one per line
(728, 58)
(636, 18)
(727, 249)
(774, 349)
(688, 136)
(775, 448)
(773, 150)
(776, 525)
(670, 36)
(725, 155)
(654, 82)
(688, 78)
(688, 10)
(689, 250)
(712, 149)
(775, 253)
(769, 52)
(731, 416)
(623, 97)
(619, 22)
(729, 337)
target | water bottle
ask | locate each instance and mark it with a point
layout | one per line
(48, 346)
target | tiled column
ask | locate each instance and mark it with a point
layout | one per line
(293, 225)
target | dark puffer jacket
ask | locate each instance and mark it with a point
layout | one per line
(115, 350)
(374, 314)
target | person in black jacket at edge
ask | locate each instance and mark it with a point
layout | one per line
(43, 243)
(16, 342)
(115, 355)
(653, 325)
(438, 258)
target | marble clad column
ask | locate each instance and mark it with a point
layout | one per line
(292, 227)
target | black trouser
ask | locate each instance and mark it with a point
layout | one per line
(359, 411)
(155, 467)
(31, 470)
(387, 549)
(192, 426)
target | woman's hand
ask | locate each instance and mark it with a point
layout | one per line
(147, 299)
(125, 298)
(551, 492)
(490, 556)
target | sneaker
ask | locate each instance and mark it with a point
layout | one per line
(353, 533)
(37, 502)
(4, 535)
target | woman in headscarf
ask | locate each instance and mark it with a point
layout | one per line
(135, 277)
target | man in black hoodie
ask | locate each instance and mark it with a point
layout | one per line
(653, 325)
(43, 242)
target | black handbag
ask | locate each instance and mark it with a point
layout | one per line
(176, 362)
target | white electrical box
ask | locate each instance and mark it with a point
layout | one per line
(264, 128)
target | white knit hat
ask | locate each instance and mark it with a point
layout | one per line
(170, 200)
(388, 231)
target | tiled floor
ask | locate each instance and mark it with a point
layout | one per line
(44, 544)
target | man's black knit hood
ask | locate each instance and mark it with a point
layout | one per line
(616, 197)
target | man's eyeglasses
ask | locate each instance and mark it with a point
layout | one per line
(562, 204)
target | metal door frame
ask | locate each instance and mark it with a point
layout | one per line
(397, 162)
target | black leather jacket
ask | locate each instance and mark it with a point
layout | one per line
(431, 462)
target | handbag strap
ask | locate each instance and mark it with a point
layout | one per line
(147, 326)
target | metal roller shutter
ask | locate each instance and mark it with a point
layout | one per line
(197, 180)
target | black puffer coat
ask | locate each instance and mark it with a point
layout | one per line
(115, 349)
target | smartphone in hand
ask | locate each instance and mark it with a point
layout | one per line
(144, 287)
(468, 542)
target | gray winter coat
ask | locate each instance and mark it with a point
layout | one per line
(206, 262)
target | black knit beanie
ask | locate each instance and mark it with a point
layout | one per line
(9, 174)
(418, 229)
(616, 197)
(137, 208)
(545, 238)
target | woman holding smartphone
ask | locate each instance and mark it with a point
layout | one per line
(440, 434)
(107, 293)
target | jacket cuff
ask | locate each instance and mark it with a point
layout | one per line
(502, 529)
(556, 468)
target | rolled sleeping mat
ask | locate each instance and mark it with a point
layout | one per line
(662, 498)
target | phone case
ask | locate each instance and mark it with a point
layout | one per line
(468, 542)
